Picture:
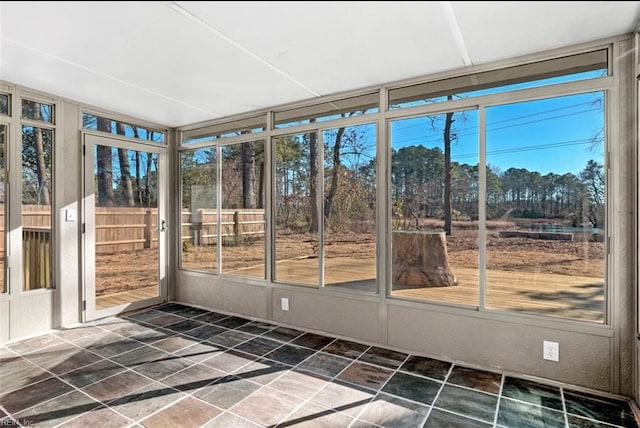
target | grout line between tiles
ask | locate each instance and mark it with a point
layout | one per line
(495, 417)
(444, 382)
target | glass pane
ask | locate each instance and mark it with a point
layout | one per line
(37, 111)
(347, 107)
(546, 207)
(4, 104)
(296, 209)
(126, 225)
(243, 215)
(350, 208)
(3, 199)
(116, 127)
(37, 161)
(235, 128)
(434, 196)
(567, 69)
(199, 175)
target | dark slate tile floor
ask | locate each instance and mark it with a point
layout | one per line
(179, 366)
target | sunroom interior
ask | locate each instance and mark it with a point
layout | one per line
(451, 181)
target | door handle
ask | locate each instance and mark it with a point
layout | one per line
(163, 226)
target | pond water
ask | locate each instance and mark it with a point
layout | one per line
(558, 228)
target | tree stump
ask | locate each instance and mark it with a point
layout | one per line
(420, 259)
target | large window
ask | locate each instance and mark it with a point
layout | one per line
(503, 207)
(349, 208)
(229, 238)
(434, 207)
(546, 194)
(243, 215)
(297, 211)
(325, 209)
(494, 196)
(544, 181)
(37, 196)
(199, 216)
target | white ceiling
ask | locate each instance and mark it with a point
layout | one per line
(177, 63)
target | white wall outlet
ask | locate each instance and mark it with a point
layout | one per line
(284, 302)
(551, 351)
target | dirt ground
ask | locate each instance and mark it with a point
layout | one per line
(126, 271)
(575, 258)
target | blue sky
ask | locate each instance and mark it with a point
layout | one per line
(553, 135)
(557, 135)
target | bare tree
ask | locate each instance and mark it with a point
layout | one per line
(147, 181)
(261, 185)
(104, 167)
(335, 174)
(38, 159)
(41, 168)
(313, 181)
(337, 166)
(248, 174)
(125, 172)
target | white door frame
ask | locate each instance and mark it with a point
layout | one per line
(89, 141)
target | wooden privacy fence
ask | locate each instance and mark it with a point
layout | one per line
(36, 246)
(116, 230)
(36, 258)
(130, 229)
(121, 229)
(34, 217)
(200, 226)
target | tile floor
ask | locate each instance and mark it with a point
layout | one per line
(179, 366)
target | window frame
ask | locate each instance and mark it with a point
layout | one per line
(16, 209)
(604, 84)
(149, 127)
(382, 118)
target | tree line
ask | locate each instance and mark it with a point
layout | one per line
(419, 190)
(422, 181)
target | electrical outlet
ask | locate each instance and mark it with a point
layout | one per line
(551, 351)
(284, 303)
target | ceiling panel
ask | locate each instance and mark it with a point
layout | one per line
(337, 46)
(509, 29)
(43, 72)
